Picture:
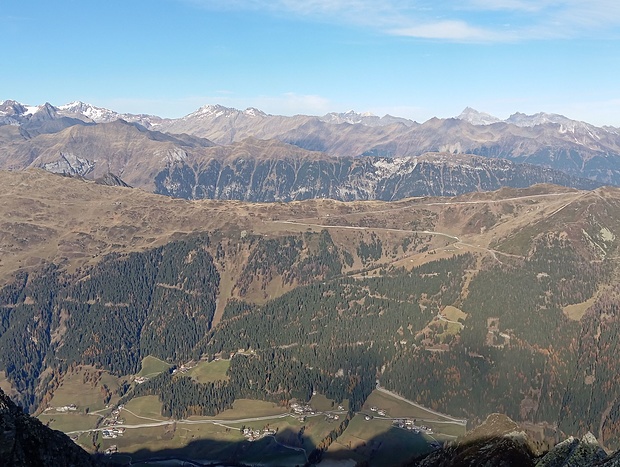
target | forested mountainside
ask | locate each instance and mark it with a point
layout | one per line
(494, 302)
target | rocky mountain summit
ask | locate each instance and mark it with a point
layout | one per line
(550, 140)
(294, 177)
(191, 167)
(25, 441)
(501, 442)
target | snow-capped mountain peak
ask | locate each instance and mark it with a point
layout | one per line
(10, 107)
(96, 114)
(475, 117)
(254, 112)
(352, 117)
(541, 118)
(211, 110)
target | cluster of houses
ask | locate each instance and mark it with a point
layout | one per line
(114, 419)
(140, 379)
(254, 435)
(111, 450)
(183, 368)
(113, 433)
(67, 408)
(409, 424)
(302, 409)
(332, 416)
(380, 412)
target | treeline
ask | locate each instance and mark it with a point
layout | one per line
(301, 260)
(183, 397)
(276, 375)
(590, 401)
(25, 340)
(332, 337)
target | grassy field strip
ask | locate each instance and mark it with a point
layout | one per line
(152, 366)
(458, 421)
(140, 416)
(225, 426)
(361, 439)
(376, 438)
(188, 422)
(207, 372)
(83, 387)
(69, 421)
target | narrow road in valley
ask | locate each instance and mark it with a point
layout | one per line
(458, 421)
(457, 240)
(157, 423)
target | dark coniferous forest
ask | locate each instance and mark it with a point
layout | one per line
(334, 333)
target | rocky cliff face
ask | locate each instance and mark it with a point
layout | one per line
(577, 148)
(25, 441)
(501, 442)
(347, 179)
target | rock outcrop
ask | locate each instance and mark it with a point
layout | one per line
(255, 179)
(501, 442)
(25, 441)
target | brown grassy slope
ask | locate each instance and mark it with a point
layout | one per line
(135, 154)
(45, 217)
(72, 222)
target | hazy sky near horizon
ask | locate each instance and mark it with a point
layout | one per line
(415, 59)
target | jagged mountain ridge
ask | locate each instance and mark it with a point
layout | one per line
(250, 178)
(261, 170)
(15, 113)
(552, 140)
(520, 119)
(94, 150)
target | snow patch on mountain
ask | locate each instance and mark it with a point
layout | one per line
(174, 155)
(477, 118)
(96, 114)
(207, 111)
(31, 109)
(365, 118)
(254, 112)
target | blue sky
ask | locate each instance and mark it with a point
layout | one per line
(416, 59)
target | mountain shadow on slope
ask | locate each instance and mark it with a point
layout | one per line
(25, 441)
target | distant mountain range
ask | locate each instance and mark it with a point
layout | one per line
(228, 153)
